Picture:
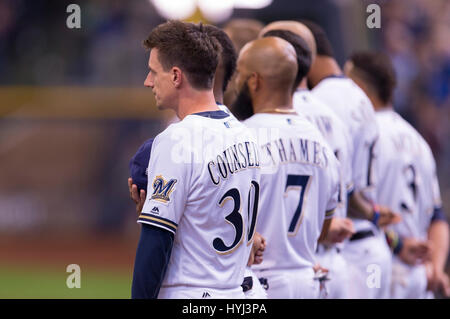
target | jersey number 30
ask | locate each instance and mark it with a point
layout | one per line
(235, 218)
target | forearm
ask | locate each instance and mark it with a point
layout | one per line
(325, 229)
(152, 258)
(438, 234)
(359, 207)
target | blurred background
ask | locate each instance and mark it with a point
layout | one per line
(73, 111)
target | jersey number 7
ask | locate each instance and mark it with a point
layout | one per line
(302, 182)
(235, 218)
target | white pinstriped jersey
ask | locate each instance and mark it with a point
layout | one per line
(407, 175)
(203, 184)
(354, 108)
(429, 195)
(335, 133)
(299, 188)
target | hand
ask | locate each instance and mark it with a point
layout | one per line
(340, 229)
(318, 268)
(258, 247)
(138, 198)
(387, 217)
(414, 252)
(438, 281)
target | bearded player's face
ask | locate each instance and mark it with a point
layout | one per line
(242, 106)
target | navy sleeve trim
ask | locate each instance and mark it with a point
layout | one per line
(145, 218)
(350, 192)
(438, 215)
(330, 213)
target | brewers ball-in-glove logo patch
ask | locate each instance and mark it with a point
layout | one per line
(162, 189)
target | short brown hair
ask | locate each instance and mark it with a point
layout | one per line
(228, 55)
(187, 46)
(323, 44)
(376, 69)
(242, 31)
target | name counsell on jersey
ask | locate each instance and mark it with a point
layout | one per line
(233, 159)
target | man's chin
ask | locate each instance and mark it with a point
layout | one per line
(161, 107)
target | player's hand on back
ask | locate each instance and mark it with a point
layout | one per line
(388, 217)
(319, 269)
(414, 251)
(340, 229)
(437, 280)
(258, 247)
(137, 197)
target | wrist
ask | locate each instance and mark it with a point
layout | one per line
(437, 269)
(394, 241)
(397, 248)
(375, 216)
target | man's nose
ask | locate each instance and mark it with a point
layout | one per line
(148, 81)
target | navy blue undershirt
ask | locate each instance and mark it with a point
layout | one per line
(150, 265)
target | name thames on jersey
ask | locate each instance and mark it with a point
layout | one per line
(234, 159)
(296, 150)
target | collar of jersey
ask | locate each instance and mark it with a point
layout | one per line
(213, 114)
(335, 76)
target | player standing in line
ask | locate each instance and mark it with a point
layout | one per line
(408, 182)
(137, 183)
(240, 32)
(300, 174)
(335, 133)
(367, 248)
(203, 170)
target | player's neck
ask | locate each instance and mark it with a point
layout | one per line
(377, 104)
(218, 83)
(303, 84)
(324, 67)
(196, 101)
(218, 94)
(274, 103)
(380, 107)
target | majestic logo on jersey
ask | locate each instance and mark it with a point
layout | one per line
(162, 189)
(155, 210)
(206, 295)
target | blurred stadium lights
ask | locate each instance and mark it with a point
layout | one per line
(175, 9)
(251, 4)
(215, 11)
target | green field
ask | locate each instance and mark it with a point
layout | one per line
(50, 282)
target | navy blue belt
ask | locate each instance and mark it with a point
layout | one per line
(362, 234)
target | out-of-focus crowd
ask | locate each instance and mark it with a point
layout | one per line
(416, 35)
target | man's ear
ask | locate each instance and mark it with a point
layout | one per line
(176, 77)
(254, 82)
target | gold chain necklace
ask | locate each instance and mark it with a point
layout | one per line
(278, 110)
